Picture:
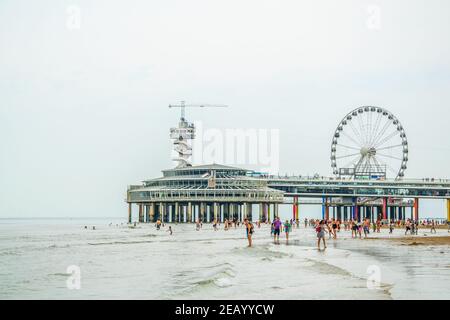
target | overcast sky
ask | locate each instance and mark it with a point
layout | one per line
(84, 87)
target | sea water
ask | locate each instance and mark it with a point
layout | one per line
(116, 261)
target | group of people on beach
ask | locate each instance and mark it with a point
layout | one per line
(322, 227)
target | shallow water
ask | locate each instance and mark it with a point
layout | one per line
(118, 262)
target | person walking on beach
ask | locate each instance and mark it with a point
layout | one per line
(306, 223)
(366, 227)
(320, 230)
(249, 230)
(391, 227)
(329, 229)
(359, 229)
(334, 227)
(378, 225)
(433, 226)
(354, 228)
(413, 227)
(287, 229)
(408, 227)
(170, 230)
(197, 225)
(158, 224)
(276, 229)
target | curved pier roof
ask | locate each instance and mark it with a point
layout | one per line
(213, 182)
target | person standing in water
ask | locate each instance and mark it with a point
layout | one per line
(408, 227)
(366, 227)
(391, 227)
(378, 225)
(287, 229)
(249, 230)
(276, 229)
(359, 228)
(354, 228)
(334, 227)
(320, 229)
(433, 226)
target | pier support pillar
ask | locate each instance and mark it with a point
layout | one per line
(152, 212)
(177, 211)
(327, 210)
(416, 209)
(141, 213)
(161, 212)
(189, 213)
(448, 210)
(275, 209)
(202, 212)
(147, 213)
(215, 209)
(384, 208)
(129, 212)
(295, 209)
(355, 209)
(323, 207)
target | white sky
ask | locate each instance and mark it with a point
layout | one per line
(83, 112)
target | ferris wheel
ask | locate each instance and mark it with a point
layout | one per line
(369, 142)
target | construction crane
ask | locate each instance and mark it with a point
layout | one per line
(185, 133)
(183, 107)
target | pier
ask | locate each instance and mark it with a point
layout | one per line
(217, 192)
(375, 144)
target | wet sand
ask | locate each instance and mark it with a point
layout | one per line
(418, 240)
